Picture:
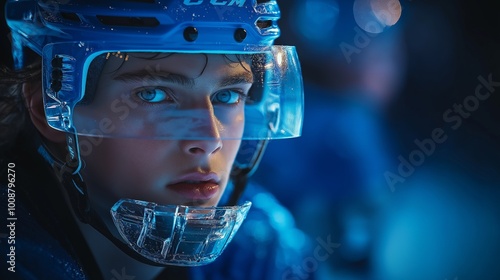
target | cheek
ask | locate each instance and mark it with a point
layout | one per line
(122, 163)
(231, 120)
(231, 148)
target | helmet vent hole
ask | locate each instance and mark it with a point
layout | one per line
(240, 34)
(263, 1)
(142, 1)
(70, 16)
(129, 21)
(190, 34)
(262, 24)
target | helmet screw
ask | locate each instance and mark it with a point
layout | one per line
(240, 34)
(190, 34)
(57, 62)
(57, 74)
(55, 85)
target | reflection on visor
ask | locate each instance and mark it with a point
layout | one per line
(175, 234)
(167, 95)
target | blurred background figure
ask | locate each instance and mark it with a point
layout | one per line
(380, 77)
(442, 220)
(331, 178)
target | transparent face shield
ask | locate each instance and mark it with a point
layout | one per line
(167, 95)
(97, 91)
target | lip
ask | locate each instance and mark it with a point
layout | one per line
(196, 185)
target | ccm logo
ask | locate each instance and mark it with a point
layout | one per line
(238, 3)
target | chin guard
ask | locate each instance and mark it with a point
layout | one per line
(176, 234)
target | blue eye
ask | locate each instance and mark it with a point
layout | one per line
(228, 96)
(153, 95)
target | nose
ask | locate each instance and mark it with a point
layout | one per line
(207, 140)
(201, 146)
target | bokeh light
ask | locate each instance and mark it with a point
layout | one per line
(375, 15)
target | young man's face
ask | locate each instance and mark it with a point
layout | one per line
(195, 102)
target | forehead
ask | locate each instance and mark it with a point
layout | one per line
(189, 65)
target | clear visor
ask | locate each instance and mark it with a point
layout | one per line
(177, 235)
(172, 95)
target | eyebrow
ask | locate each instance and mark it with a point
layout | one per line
(145, 75)
(240, 78)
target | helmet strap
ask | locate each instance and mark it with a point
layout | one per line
(68, 174)
(240, 174)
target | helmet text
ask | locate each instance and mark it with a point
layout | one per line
(238, 3)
